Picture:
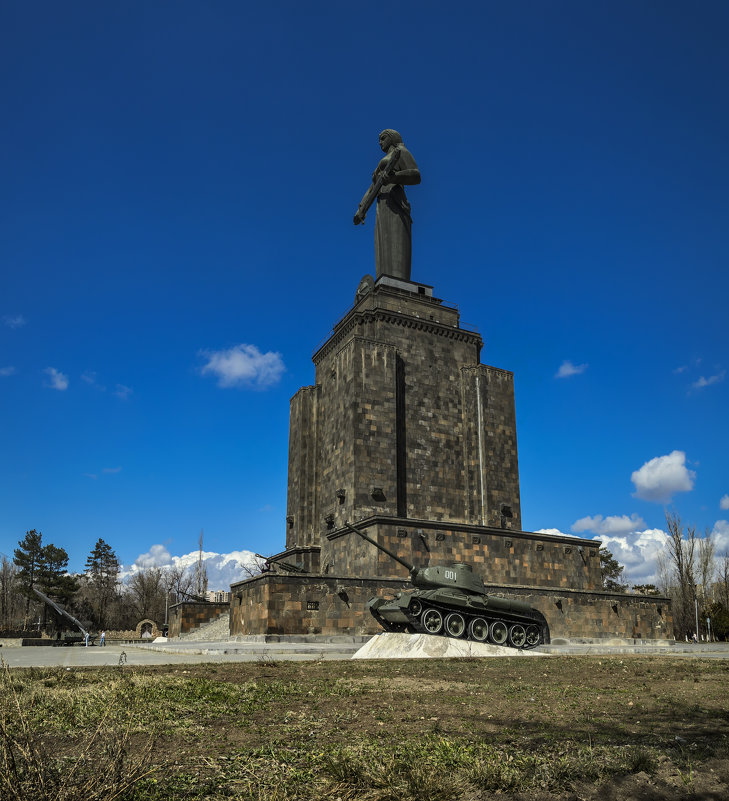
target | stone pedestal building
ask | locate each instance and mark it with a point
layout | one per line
(406, 434)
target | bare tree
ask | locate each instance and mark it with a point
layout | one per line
(201, 573)
(146, 591)
(682, 555)
(178, 583)
(9, 598)
(723, 571)
(706, 567)
(255, 568)
(663, 573)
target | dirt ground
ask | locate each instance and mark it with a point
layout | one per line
(677, 710)
(559, 728)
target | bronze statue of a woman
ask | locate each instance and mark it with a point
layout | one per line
(393, 242)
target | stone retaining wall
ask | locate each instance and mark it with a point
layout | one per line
(500, 556)
(275, 603)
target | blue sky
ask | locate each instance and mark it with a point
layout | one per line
(179, 180)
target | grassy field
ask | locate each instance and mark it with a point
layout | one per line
(558, 727)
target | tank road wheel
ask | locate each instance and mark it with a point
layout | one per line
(432, 621)
(499, 632)
(478, 629)
(532, 636)
(455, 625)
(517, 635)
(415, 607)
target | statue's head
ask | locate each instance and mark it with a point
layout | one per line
(388, 138)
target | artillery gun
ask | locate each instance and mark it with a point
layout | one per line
(68, 638)
(450, 599)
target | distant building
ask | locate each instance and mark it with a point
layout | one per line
(218, 596)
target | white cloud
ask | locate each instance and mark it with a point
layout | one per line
(707, 382)
(122, 392)
(156, 556)
(6, 371)
(243, 365)
(90, 377)
(724, 502)
(14, 320)
(223, 569)
(611, 525)
(58, 379)
(660, 477)
(567, 369)
(639, 553)
(111, 470)
(720, 533)
(553, 532)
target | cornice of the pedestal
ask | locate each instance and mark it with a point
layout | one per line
(366, 311)
(467, 528)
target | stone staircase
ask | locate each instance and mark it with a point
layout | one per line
(213, 631)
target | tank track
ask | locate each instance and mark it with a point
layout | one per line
(437, 619)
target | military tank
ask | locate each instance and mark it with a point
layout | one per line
(451, 600)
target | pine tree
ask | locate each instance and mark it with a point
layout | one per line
(28, 557)
(611, 572)
(102, 570)
(53, 577)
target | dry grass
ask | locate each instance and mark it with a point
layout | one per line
(102, 766)
(381, 731)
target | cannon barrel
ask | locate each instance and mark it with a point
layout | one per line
(285, 565)
(382, 548)
(62, 612)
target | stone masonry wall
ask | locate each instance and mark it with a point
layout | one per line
(302, 522)
(276, 603)
(500, 556)
(403, 421)
(491, 460)
(331, 605)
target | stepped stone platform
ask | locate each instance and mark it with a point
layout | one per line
(216, 629)
(391, 645)
(265, 647)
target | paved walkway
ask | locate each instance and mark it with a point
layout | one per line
(176, 652)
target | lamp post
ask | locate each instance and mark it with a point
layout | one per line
(696, 611)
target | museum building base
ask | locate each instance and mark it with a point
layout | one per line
(318, 604)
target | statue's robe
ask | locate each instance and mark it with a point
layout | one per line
(393, 239)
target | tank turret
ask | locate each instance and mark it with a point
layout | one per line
(451, 599)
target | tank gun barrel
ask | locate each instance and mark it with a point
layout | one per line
(382, 548)
(285, 565)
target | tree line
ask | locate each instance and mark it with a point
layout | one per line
(696, 578)
(96, 596)
(691, 573)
